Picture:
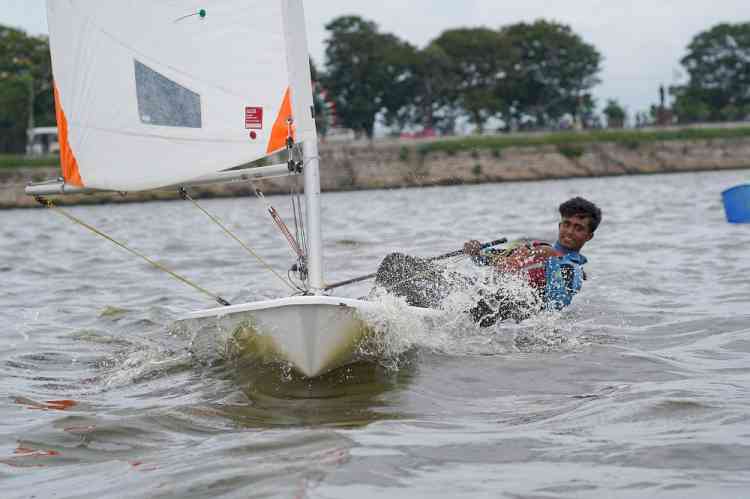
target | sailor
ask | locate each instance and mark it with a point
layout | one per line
(553, 271)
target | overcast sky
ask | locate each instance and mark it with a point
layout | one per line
(642, 41)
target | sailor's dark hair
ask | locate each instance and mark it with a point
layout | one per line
(583, 208)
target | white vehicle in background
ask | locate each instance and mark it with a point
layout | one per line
(42, 141)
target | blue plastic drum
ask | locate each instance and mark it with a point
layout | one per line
(737, 204)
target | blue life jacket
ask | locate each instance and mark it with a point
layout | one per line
(564, 276)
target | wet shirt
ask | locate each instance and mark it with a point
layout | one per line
(564, 275)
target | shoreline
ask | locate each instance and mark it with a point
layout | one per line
(473, 160)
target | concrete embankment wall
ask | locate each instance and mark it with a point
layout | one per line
(404, 164)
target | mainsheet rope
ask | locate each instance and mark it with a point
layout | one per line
(49, 204)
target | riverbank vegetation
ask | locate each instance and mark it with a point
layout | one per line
(20, 161)
(566, 141)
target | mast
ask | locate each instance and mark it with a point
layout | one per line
(298, 63)
(312, 207)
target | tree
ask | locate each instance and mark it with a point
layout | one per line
(401, 85)
(367, 72)
(14, 112)
(615, 114)
(324, 109)
(554, 72)
(25, 87)
(476, 64)
(718, 65)
(435, 82)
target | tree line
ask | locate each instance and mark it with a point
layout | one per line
(25, 87)
(718, 66)
(524, 75)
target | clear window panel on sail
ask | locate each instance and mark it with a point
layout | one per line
(163, 102)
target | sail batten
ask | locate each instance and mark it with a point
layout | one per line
(154, 98)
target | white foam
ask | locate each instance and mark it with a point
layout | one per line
(398, 330)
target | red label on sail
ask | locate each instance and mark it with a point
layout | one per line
(253, 118)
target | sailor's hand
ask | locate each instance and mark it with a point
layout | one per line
(472, 248)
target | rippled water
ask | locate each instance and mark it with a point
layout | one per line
(640, 389)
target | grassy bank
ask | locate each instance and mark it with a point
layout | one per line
(19, 161)
(570, 142)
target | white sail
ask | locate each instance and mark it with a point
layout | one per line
(154, 93)
(157, 92)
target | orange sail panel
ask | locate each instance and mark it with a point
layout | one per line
(280, 130)
(68, 163)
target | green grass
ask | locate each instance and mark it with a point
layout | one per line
(628, 138)
(19, 161)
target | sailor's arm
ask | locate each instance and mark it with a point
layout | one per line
(523, 256)
(472, 247)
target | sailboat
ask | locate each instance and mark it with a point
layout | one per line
(152, 94)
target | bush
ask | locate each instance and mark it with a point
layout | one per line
(615, 114)
(20, 161)
(571, 151)
(404, 154)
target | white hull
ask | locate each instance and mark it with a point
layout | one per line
(314, 334)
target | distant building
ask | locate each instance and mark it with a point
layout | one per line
(42, 141)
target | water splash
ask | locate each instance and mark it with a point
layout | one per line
(144, 364)
(522, 326)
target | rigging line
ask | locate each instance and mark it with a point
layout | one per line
(293, 245)
(298, 215)
(292, 151)
(302, 214)
(305, 243)
(218, 222)
(292, 198)
(299, 221)
(49, 204)
(300, 286)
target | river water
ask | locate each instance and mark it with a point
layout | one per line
(640, 389)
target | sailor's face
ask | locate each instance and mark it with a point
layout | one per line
(574, 232)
